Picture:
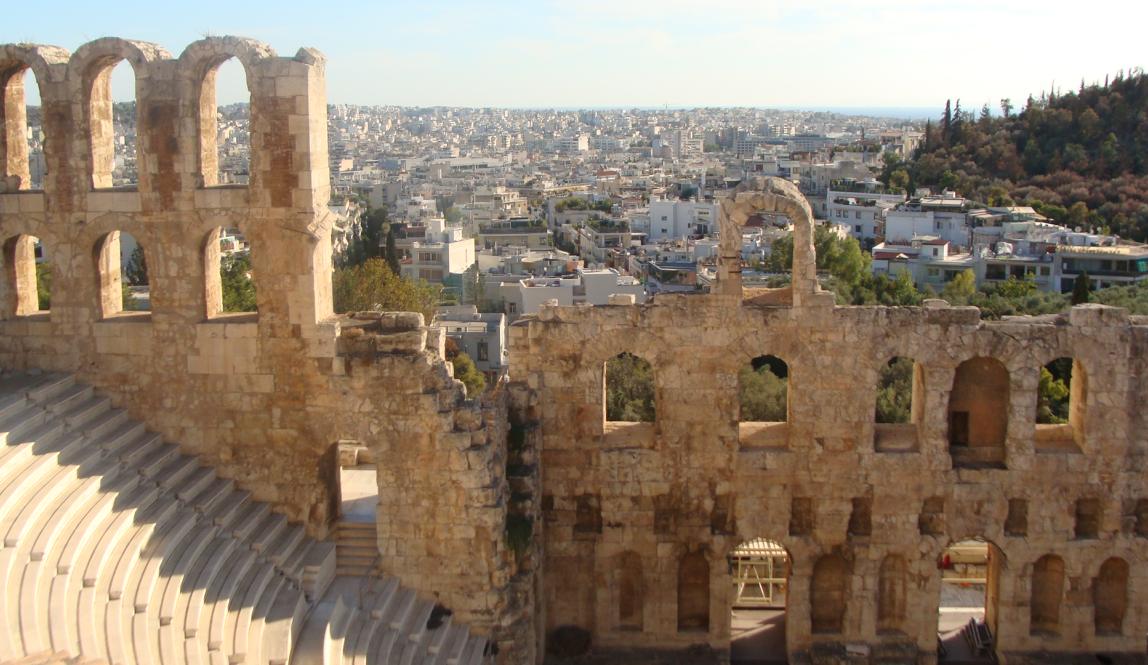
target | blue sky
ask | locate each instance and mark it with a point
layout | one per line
(594, 53)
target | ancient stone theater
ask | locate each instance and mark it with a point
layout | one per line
(171, 480)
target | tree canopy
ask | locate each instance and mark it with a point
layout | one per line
(1079, 157)
(763, 394)
(373, 286)
(629, 389)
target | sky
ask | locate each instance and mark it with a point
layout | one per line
(647, 53)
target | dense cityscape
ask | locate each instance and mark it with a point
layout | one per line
(295, 380)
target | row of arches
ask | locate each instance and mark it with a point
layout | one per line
(122, 274)
(974, 563)
(977, 414)
(109, 71)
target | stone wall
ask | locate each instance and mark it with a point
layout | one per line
(264, 397)
(666, 500)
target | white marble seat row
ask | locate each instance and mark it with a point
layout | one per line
(116, 547)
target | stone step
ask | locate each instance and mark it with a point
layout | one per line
(115, 546)
(453, 647)
(47, 387)
(266, 533)
(239, 564)
(38, 499)
(281, 627)
(196, 482)
(241, 607)
(187, 560)
(248, 641)
(67, 400)
(192, 602)
(169, 538)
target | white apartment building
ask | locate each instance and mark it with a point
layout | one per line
(863, 212)
(441, 257)
(943, 216)
(674, 220)
(572, 144)
(591, 287)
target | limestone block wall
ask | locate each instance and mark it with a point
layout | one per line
(693, 485)
(261, 396)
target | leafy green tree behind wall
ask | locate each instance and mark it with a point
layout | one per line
(629, 389)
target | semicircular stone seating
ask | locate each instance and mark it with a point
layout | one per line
(117, 548)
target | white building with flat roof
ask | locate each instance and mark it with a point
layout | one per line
(441, 257)
(676, 219)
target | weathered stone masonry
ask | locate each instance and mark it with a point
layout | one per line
(263, 397)
(631, 510)
(527, 511)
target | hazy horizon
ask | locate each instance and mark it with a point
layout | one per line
(880, 54)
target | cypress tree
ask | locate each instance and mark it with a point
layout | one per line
(1081, 288)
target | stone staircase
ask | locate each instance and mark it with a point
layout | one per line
(356, 548)
(117, 548)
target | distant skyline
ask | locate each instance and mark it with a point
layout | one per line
(642, 53)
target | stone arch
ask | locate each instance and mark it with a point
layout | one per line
(828, 588)
(978, 413)
(15, 60)
(630, 588)
(1047, 582)
(892, 594)
(20, 273)
(693, 592)
(769, 195)
(40, 58)
(108, 258)
(1110, 597)
(92, 66)
(226, 249)
(199, 63)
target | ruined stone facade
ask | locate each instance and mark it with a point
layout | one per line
(527, 511)
(639, 518)
(263, 397)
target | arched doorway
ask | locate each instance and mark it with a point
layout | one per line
(759, 570)
(967, 611)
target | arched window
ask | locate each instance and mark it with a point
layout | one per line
(763, 402)
(629, 389)
(1110, 597)
(694, 592)
(891, 594)
(225, 125)
(121, 266)
(112, 120)
(899, 404)
(22, 141)
(827, 594)
(28, 276)
(631, 591)
(978, 413)
(1061, 396)
(228, 275)
(1047, 590)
